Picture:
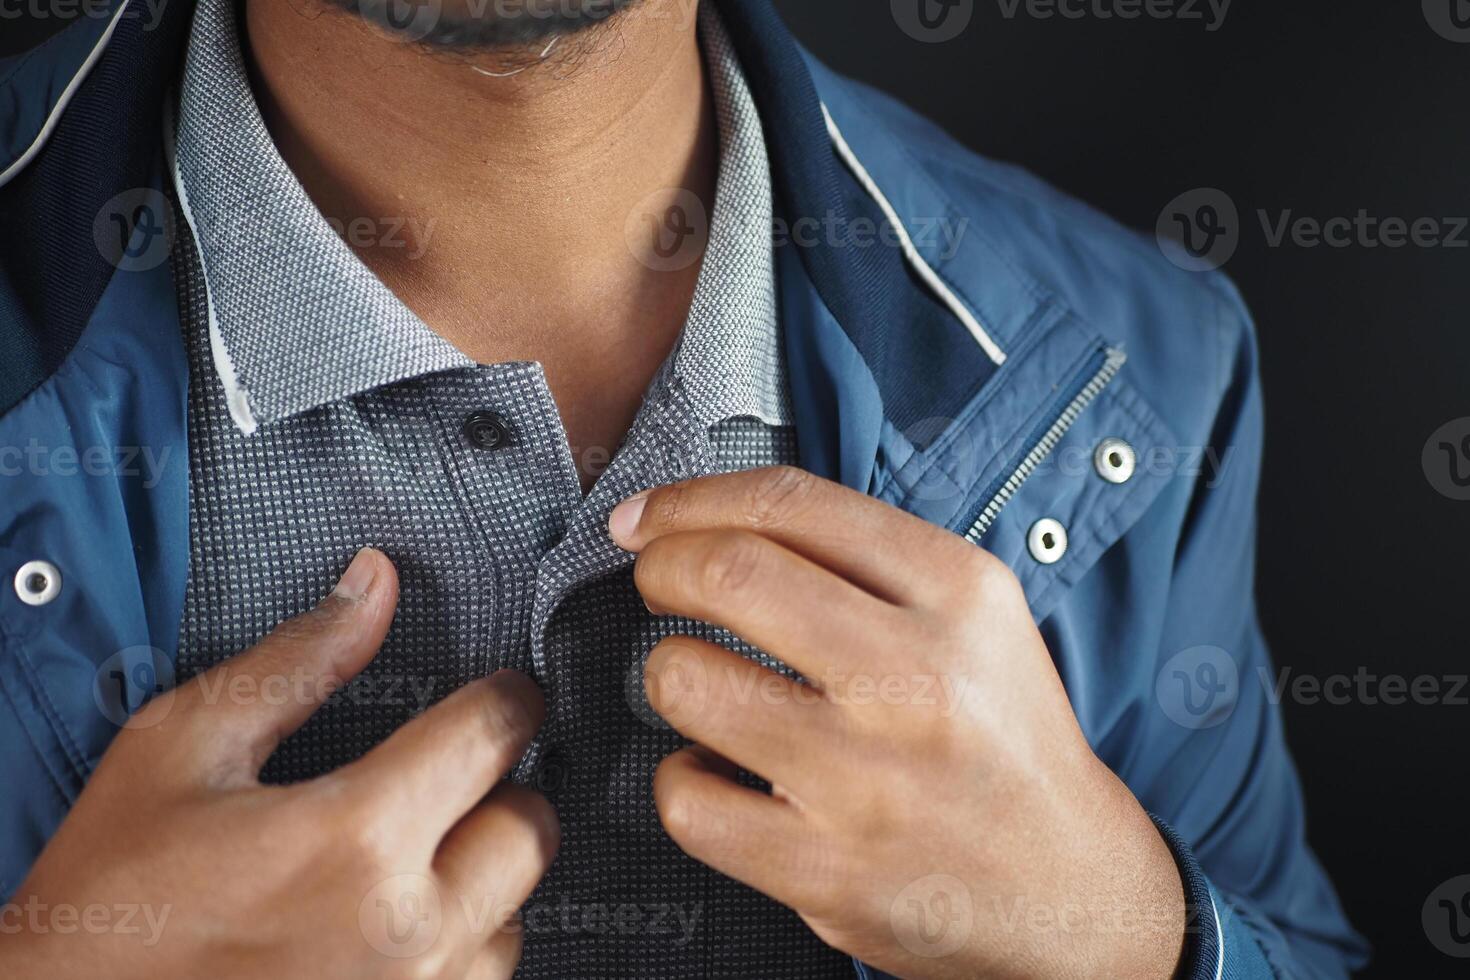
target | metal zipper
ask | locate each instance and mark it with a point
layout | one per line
(1112, 362)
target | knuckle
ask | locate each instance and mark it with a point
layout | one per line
(656, 563)
(432, 964)
(982, 574)
(776, 494)
(369, 845)
(667, 507)
(731, 563)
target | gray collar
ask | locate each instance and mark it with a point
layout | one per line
(297, 321)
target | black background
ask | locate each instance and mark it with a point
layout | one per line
(1324, 109)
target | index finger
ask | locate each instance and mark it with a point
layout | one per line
(825, 522)
(436, 768)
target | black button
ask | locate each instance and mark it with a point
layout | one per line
(486, 430)
(552, 773)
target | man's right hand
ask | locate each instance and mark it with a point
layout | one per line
(397, 865)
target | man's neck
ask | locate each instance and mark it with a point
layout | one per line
(497, 208)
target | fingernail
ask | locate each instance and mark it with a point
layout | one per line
(625, 516)
(358, 578)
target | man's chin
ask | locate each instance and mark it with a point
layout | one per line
(484, 24)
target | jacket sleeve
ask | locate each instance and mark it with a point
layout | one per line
(1219, 779)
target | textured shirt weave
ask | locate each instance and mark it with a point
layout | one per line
(325, 416)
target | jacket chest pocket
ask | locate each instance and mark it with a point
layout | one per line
(1046, 474)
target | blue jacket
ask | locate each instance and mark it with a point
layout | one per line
(968, 369)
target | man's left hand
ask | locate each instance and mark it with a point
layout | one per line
(935, 809)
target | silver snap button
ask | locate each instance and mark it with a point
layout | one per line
(1115, 460)
(1047, 541)
(37, 583)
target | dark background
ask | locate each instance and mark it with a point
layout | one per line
(1322, 108)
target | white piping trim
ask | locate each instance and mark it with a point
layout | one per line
(925, 271)
(237, 399)
(66, 96)
(1219, 932)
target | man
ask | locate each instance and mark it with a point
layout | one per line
(849, 605)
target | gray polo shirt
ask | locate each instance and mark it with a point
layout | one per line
(325, 416)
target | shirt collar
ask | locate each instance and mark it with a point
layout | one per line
(297, 321)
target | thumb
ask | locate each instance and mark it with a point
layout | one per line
(238, 712)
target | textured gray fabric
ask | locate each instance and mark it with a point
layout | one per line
(502, 563)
